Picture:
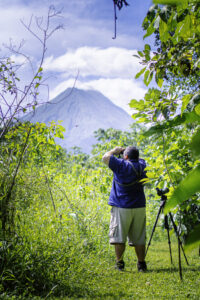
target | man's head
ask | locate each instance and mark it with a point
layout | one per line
(131, 153)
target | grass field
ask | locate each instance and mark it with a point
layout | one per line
(162, 280)
(100, 280)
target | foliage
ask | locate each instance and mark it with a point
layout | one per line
(60, 215)
(54, 213)
(99, 279)
(177, 40)
(172, 112)
(20, 149)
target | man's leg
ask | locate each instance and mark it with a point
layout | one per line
(119, 226)
(119, 251)
(137, 235)
(140, 252)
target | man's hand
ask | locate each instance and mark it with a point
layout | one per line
(107, 155)
(118, 150)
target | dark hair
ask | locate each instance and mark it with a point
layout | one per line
(132, 152)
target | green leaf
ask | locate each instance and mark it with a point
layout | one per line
(150, 30)
(186, 118)
(147, 47)
(195, 144)
(158, 129)
(192, 117)
(146, 74)
(148, 77)
(193, 239)
(164, 31)
(185, 101)
(141, 54)
(196, 98)
(137, 56)
(140, 73)
(178, 120)
(169, 2)
(186, 30)
(160, 82)
(137, 104)
(157, 22)
(197, 109)
(188, 187)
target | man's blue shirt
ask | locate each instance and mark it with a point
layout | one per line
(123, 196)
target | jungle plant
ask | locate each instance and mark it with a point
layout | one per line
(173, 110)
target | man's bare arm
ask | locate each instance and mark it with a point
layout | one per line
(107, 155)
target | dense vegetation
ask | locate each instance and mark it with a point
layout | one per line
(54, 213)
(172, 110)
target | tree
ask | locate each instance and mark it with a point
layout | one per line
(173, 111)
(16, 138)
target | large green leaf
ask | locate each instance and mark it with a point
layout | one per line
(140, 73)
(148, 75)
(150, 30)
(193, 239)
(190, 117)
(164, 31)
(197, 109)
(154, 130)
(195, 144)
(188, 187)
(169, 2)
(185, 101)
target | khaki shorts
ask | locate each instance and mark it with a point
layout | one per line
(128, 222)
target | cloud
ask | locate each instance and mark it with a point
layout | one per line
(83, 22)
(119, 91)
(18, 59)
(110, 71)
(86, 45)
(109, 62)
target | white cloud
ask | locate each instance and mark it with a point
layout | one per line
(119, 91)
(110, 62)
(104, 64)
(81, 26)
(110, 71)
(18, 59)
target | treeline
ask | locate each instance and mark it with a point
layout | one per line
(54, 212)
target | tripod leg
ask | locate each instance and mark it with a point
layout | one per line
(169, 241)
(149, 243)
(177, 234)
(179, 260)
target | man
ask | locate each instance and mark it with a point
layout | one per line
(127, 198)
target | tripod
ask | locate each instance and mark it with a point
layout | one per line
(166, 224)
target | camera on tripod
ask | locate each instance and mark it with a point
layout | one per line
(162, 192)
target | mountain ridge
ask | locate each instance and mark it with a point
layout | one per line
(82, 113)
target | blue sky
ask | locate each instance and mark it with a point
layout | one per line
(85, 45)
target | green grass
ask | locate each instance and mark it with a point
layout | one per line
(162, 281)
(99, 279)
